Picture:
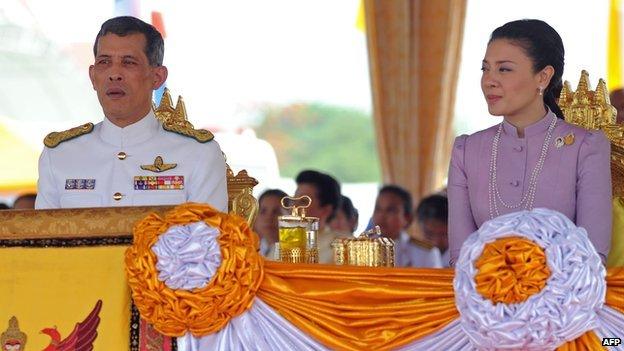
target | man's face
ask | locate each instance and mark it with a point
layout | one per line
(123, 77)
(315, 209)
(390, 216)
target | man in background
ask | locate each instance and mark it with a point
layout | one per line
(432, 220)
(393, 214)
(324, 191)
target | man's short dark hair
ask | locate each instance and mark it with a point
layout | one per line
(327, 188)
(433, 207)
(125, 25)
(402, 194)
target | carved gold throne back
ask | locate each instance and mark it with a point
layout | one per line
(240, 186)
(592, 110)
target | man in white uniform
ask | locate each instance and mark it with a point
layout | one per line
(129, 159)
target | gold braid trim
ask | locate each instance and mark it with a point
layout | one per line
(53, 139)
(187, 129)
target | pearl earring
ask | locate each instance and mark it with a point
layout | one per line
(541, 91)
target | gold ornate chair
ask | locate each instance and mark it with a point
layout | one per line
(240, 186)
(592, 110)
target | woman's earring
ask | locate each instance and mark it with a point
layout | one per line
(541, 91)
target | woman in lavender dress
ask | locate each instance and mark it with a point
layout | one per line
(533, 158)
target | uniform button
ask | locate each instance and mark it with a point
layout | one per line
(117, 196)
(121, 155)
(518, 148)
(514, 183)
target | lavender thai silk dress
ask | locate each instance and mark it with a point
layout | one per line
(575, 179)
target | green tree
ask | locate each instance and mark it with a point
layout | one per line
(334, 139)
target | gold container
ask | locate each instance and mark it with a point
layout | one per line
(298, 233)
(368, 249)
(340, 251)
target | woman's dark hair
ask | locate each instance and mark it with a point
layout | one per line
(349, 210)
(544, 46)
(272, 192)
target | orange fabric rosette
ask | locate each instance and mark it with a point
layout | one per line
(510, 270)
(202, 311)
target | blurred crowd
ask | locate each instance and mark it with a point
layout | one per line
(419, 232)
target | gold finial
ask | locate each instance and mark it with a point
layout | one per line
(13, 335)
(592, 110)
(165, 109)
(175, 119)
(602, 97)
(583, 84)
(565, 92)
(180, 109)
(296, 210)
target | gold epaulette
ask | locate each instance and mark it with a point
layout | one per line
(188, 130)
(422, 243)
(53, 139)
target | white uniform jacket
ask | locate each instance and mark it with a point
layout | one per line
(103, 168)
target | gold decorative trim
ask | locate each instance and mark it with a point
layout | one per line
(592, 110)
(105, 222)
(241, 202)
(175, 119)
(53, 139)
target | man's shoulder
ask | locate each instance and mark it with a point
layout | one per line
(54, 139)
(421, 244)
(185, 129)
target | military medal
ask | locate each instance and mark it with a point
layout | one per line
(158, 182)
(79, 184)
(159, 165)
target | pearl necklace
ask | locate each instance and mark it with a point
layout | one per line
(528, 198)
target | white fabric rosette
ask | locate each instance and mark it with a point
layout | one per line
(563, 310)
(188, 255)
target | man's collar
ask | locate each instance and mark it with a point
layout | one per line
(136, 133)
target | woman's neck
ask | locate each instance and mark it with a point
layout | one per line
(526, 117)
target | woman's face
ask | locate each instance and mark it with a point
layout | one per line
(341, 223)
(266, 224)
(509, 85)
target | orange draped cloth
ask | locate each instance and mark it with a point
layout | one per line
(356, 308)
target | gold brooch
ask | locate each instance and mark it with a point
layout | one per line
(159, 166)
(565, 140)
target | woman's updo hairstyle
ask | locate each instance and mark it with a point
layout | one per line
(544, 47)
